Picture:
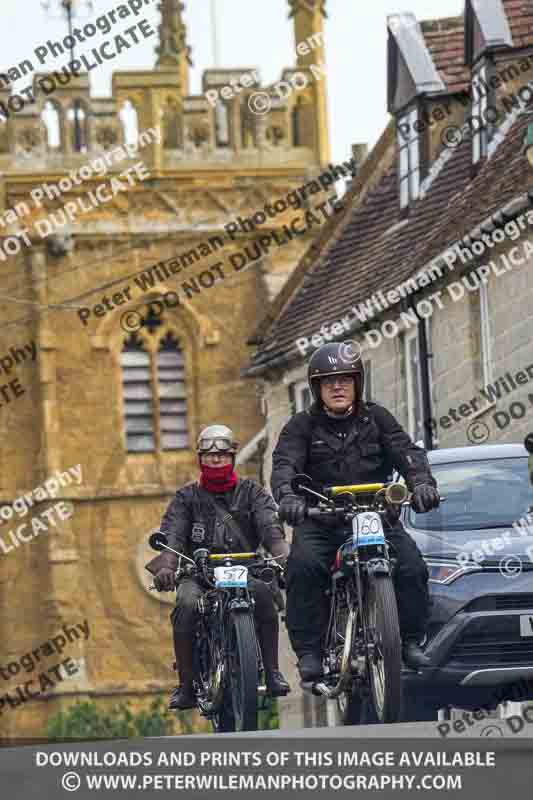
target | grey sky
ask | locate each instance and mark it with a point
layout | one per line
(251, 33)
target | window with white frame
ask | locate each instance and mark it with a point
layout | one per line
(486, 338)
(480, 120)
(409, 158)
(414, 386)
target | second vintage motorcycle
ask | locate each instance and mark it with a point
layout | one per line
(362, 647)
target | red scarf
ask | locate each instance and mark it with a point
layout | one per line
(218, 479)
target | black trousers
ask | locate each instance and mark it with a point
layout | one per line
(190, 590)
(312, 553)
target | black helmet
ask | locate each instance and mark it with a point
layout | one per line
(337, 358)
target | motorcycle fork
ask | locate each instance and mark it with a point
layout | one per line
(361, 587)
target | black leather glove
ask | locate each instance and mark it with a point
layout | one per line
(424, 498)
(164, 580)
(292, 509)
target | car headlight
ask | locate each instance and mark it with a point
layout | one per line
(447, 571)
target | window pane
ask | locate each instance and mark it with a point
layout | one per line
(139, 408)
(166, 358)
(172, 395)
(175, 441)
(176, 424)
(173, 391)
(140, 444)
(137, 391)
(135, 358)
(131, 374)
(137, 397)
(173, 406)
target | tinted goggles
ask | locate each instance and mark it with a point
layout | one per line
(218, 445)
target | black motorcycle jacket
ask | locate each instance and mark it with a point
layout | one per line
(364, 448)
(191, 521)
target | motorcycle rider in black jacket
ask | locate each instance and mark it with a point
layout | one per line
(199, 516)
(343, 440)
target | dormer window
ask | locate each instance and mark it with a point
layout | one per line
(409, 157)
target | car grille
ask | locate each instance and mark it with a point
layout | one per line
(493, 650)
(501, 602)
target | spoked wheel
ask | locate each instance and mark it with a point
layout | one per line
(384, 664)
(214, 681)
(243, 672)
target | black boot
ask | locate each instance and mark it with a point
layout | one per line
(268, 633)
(310, 667)
(183, 696)
(276, 684)
(413, 655)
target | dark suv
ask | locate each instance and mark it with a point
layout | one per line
(480, 634)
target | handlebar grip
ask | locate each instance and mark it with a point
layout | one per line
(317, 512)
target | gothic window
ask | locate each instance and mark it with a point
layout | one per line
(222, 125)
(172, 127)
(51, 117)
(130, 122)
(78, 130)
(154, 393)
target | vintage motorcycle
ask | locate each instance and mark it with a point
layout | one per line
(361, 647)
(227, 657)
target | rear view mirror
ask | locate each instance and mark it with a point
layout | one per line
(157, 540)
(301, 482)
(528, 443)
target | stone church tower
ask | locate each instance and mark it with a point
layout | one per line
(97, 371)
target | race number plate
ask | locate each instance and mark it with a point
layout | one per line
(231, 577)
(367, 529)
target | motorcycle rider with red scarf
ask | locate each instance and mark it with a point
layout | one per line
(225, 514)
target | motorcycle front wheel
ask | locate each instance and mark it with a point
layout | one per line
(243, 671)
(384, 657)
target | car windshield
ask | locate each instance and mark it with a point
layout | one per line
(479, 495)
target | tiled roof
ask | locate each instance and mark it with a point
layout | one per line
(445, 41)
(520, 17)
(377, 251)
(375, 248)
